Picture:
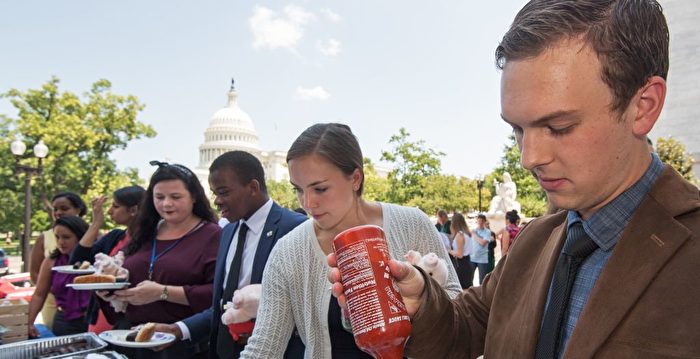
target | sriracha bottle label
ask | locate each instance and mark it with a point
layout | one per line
(377, 312)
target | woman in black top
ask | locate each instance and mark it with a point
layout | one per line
(125, 205)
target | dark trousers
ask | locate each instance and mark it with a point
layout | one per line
(61, 326)
(483, 270)
(465, 271)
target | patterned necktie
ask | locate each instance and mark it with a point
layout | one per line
(577, 248)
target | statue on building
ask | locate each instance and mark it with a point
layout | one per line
(504, 200)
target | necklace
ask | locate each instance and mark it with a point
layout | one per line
(155, 257)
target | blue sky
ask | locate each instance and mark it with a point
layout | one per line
(375, 65)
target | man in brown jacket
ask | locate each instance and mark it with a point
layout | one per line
(615, 275)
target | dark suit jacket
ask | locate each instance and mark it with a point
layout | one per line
(645, 304)
(205, 325)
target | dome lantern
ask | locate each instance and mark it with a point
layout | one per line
(230, 128)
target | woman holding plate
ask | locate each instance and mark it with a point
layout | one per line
(123, 210)
(71, 304)
(170, 258)
(63, 204)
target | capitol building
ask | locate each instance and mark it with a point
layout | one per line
(230, 128)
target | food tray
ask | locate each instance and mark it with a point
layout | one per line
(42, 348)
(106, 355)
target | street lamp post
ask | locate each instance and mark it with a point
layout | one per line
(479, 186)
(40, 151)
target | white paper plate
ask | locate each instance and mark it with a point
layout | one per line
(68, 269)
(98, 286)
(118, 337)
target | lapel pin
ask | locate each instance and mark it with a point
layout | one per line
(269, 234)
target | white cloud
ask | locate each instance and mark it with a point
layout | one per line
(272, 31)
(333, 17)
(298, 15)
(310, 94)
(329, 48)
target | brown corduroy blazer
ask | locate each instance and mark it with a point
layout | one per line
(645, 304)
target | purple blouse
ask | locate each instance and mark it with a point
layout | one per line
(73, 302)
(190, 264)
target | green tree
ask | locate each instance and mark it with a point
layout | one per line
(448, 192)
(673, 152)
(376, 188)
(283, 193)
(412, 162)
(81, 133)
(532, 198)
(471, 195)
(10, 188)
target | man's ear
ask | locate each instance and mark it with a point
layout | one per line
(647, 105)
(254, 186)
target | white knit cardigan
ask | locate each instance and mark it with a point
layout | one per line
(296, 291)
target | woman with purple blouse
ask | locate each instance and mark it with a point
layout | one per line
(71, 304)
(170, 258)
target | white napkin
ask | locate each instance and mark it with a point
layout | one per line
(105, 264)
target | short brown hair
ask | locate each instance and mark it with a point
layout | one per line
(333, 141)
(630, 38)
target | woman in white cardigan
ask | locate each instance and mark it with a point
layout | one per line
(325, 167)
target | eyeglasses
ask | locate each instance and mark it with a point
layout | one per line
(179, 168)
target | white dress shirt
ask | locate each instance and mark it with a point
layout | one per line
(256, 224)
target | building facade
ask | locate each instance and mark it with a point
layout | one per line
(230, 128)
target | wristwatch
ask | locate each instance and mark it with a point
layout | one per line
(164, 295)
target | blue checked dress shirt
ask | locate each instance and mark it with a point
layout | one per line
(605, 229)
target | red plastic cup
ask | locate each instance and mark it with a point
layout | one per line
(241, 329)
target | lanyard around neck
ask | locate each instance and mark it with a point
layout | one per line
(155, 257)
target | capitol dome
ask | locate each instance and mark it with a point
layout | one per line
(229, 129)
(232, 129)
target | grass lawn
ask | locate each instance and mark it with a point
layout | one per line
(13, 249)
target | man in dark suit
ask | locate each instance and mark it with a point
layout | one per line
(256, 223)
